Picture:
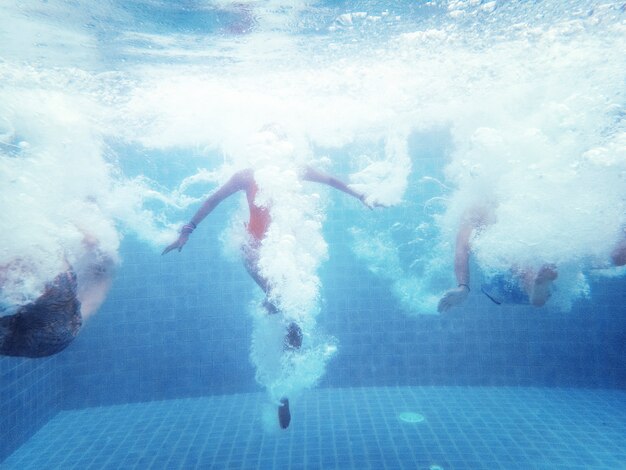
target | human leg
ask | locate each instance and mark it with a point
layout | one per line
(293, 338)
(618, 256)
(251, 263)
(541, 287)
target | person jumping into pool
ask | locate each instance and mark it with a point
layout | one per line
(257, 228)
(518, 286)
(50, 323)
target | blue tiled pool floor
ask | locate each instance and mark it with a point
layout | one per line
(463, 428)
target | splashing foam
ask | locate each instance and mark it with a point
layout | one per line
(51, 179)
(285, 373)
(290, 255)
(537, 135)
(533, 130)
(542, 155)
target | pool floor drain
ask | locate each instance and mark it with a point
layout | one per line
(410, 417)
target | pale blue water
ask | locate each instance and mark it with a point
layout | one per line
(463, 427)
(161, 376)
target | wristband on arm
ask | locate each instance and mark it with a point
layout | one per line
(188, 228)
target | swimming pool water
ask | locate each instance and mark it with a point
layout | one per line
(450, 98)
(351, 428)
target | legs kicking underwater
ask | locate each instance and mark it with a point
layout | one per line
(293, 336)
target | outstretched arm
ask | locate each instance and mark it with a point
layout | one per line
(316, 176)
(237, 182)
(458, 295)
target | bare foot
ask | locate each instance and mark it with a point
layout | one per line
(284, 415)
(542, 287)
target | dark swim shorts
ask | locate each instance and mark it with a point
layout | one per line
(505, 289)
(47, 325)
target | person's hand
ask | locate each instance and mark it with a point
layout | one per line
(179, 243)
(368, 204)
(453, 297)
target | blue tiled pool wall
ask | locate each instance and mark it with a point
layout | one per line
(178, 326)
(174, 326)
(29, 396)
(477, 428)
(479, 344)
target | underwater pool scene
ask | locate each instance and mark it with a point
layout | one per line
(299, 234)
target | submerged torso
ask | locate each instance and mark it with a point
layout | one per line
(46, 326)
(260, 218)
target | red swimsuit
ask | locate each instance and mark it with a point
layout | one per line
(259, 216)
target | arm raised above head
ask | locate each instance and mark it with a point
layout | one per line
(237, 182)
(311, 174)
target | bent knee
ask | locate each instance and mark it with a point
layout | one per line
(619, 256)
